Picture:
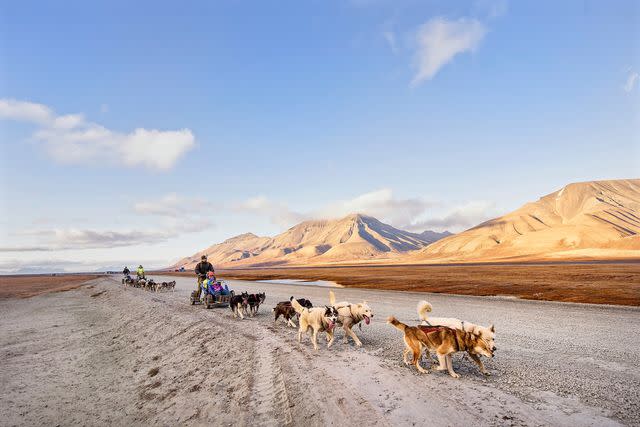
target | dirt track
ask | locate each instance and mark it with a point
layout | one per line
(109, 355)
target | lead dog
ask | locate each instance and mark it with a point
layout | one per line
(350, 315)
(319, 319)
(487, 333)
(441, 339)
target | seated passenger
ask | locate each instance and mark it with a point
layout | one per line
(211, 286)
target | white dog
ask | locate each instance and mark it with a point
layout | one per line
(486, 333)
(350, 315)
(319, 319)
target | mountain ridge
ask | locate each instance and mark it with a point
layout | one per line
(592, 219)
(355, 237)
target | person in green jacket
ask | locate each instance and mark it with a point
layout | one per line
(140, 272)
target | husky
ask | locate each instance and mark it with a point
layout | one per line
(487, 333)
(254, 302)
(443, 340)
(284, 309)
(350, 315)
(319, 319)
(238, 304)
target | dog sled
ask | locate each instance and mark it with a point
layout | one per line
(211, 300)
(217, 300)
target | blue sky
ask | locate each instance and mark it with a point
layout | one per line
(145, 131)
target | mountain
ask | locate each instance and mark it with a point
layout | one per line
(231, 250)
(589, 220)
(353, 238)
(434, 236)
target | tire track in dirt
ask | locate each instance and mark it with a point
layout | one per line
(269, 398)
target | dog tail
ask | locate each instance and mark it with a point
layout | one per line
(423, 308)
(296, 306)
(332, 298)
(396, 323)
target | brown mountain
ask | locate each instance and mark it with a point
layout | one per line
(353, 238)
(590, 220)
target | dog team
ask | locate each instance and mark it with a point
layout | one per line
(149, 284)
(440, 335)
(246, 304)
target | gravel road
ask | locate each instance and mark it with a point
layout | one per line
(109, 354)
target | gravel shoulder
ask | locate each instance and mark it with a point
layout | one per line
(104, 354)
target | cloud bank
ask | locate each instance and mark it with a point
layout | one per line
(178, 217)
(71, 139)
(411, 214)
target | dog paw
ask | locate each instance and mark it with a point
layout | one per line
(454, 375)
(486, 374)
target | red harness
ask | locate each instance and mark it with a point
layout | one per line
(427, 329)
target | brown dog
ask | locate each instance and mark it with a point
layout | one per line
(284, 309)
(441, 339)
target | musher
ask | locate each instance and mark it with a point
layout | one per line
(202, 268)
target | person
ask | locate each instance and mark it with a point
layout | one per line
(126, 271)
(211, 286)
(202, 268)
(140, 272)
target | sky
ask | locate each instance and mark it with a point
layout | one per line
(142, 132)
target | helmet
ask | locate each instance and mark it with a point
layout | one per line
(140, 266)
(210, 274)
(203, 257)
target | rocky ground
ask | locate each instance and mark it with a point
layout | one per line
(106, 354)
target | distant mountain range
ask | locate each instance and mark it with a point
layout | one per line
(587, 220)
(355, 237)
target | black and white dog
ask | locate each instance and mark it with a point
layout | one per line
(254, 302)
(239, 304)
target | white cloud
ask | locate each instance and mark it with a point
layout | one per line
(458, 218)
(381, 204)
(440, 40)
(179, 216)
(390, 38)
(25, 111)
(411, 214)
(172, 205)
(72, 238)
(70, 139)
(632, 81)
(278, 213)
